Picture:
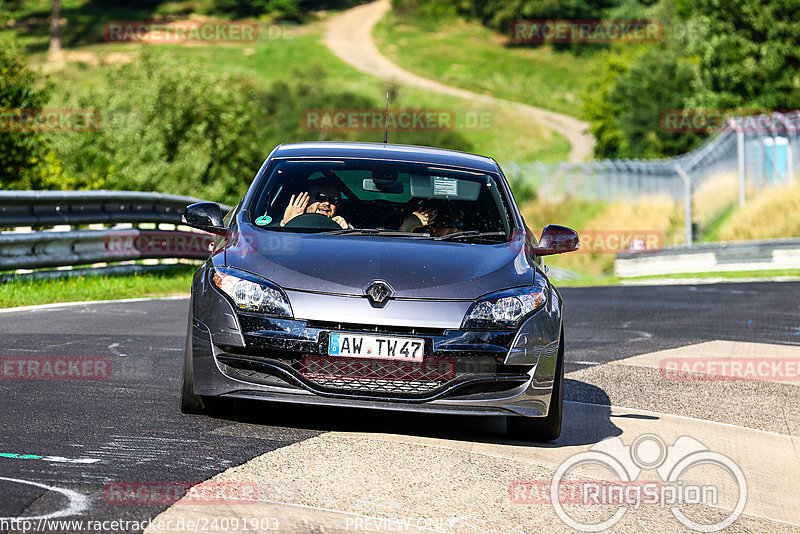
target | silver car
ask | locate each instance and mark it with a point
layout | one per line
(379, 276)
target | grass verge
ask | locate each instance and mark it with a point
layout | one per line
(22, 292)
(496, 132)
(177, 282)
(470, 56)
(678, 278)
(732, 275)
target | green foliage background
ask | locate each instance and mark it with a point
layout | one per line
(169, 125)
(715, 55)
(20, 88)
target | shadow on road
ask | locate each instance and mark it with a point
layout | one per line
(583, 424)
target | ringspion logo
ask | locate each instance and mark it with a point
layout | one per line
(681, 468)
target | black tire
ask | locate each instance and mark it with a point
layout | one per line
(543, 429)
(190, 403)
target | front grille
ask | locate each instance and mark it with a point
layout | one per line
(381, 376)
(368, 377)
(381, 329)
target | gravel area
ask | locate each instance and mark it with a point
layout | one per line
(768, 406)
(330, 482)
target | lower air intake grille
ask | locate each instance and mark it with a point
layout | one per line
(377, 376)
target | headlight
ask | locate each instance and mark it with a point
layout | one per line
(507, 308)
(250, 292)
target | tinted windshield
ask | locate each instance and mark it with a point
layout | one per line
(393, 197)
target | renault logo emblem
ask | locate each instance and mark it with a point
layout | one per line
(379, 292)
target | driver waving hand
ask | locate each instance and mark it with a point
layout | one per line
(323, 197)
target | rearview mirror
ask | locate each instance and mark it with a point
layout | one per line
(374, 185)
(556, 240)
(205, 216)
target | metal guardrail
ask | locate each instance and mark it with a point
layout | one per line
(54, 248)
(51, 208)
(757, 255)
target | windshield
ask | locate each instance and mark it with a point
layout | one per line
(395, 198)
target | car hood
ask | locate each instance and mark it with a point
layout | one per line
(347, 264)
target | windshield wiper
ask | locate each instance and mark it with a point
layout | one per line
(467, 233)
(352, 231)
(373, 231)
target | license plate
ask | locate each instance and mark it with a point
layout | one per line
(377, 347)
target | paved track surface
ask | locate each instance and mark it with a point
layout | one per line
(349, 36)
(318, 466)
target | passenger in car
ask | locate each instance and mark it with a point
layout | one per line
(419, 218)
(434, 221)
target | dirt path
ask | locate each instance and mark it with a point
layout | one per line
(349, 36)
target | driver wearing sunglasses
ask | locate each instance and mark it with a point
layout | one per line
(323, 197)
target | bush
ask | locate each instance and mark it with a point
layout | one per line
(294, 10)
(172, 127)
(20, 88)
(285, 9)
(657, 81)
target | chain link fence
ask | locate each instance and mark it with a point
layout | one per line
(753, 152)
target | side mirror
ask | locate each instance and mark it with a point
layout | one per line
(556, 240)
(205, 216)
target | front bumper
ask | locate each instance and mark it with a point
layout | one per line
(234, 354)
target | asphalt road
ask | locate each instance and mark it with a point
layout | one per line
(82, 435)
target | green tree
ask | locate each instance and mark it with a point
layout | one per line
(173, 127)
(600, 110)
(167, 126)
(20, 89)
(749, 53)
(657, 81)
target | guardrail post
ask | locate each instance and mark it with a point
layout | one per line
(687, 203)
